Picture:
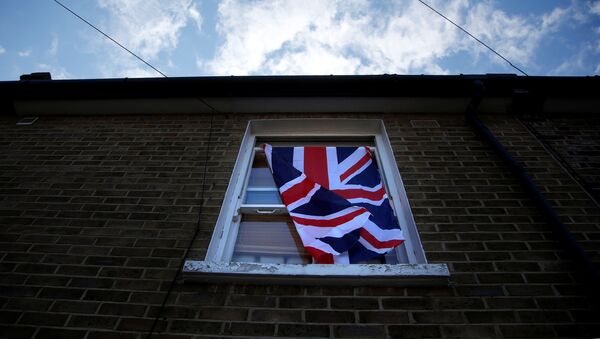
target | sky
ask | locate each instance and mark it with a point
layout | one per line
(293, 37)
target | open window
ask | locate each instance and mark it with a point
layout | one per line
(255, 237)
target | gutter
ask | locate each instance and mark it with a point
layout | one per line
(306, 94)
(560, 230)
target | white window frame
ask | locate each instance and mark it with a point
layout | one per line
(217, 265)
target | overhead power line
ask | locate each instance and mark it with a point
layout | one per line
(111, 39)
(472, 36)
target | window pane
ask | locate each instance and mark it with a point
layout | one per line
(261, 177)
(262, 197)
(272, 240)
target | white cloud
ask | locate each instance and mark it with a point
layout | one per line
(360, 36)
(515, 37)
(24, 54)
(146, 27)
(57, 72)
(2, 50)
(53, 45)
(595, 7)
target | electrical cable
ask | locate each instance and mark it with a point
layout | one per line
(474, 37)
(214, 110)
(111, 39)
(196, 231)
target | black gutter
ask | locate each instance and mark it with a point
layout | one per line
(448, 86)
(560, 230)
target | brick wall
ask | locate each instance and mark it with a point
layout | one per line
(576, 141)
(97, 213)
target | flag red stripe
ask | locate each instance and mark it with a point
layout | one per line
(315, 165)
(298, 191)
(320, 256)
(358, 193)
(376, 243)
(330, 222)
(356, 166)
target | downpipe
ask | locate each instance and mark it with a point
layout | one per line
(559, 229)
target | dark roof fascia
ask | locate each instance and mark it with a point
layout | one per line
(444, 86)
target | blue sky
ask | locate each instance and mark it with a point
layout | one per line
(254, 37)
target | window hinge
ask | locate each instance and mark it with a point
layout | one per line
(236, 216)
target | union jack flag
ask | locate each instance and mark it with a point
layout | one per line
(336, 200)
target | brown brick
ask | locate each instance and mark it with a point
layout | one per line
(106, 295)
(415, 331)
(302, 302)
(61, 293)
(407, 303)
(435, 317)
(141, 324)
(276, 316)
(137, 284)
(131, 310)
(529, 290)
(222, 313)
(249, 329)
(329, 316)
(479, 317)
(70, 306)
(105, 261)
(147, 262)
(469, 331)
(213, 299)
(35, 268)
(251, 300)
(54, 333)
(130, 252)
(91, 321)
(9, 317)
(78, 270)
(112, 334)
(43, 319)
(121, 272)
(151, 298)
(91, 282)
(354, 303)
(14, 331)
(64, 259)
(302, 331)
(544, 316)
(460, 303)
(28, 304)
(526, 331)
(510, 303)
(47, 280)
(358, 331)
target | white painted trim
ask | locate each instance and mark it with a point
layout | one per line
(315, 274)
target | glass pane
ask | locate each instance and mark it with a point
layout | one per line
(262, 197)
(261, 177)
(269, 242)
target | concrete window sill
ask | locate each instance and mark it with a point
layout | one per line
(348, 275)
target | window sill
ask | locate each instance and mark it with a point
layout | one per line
(349, 275)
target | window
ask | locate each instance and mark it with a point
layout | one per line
(255, 237)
